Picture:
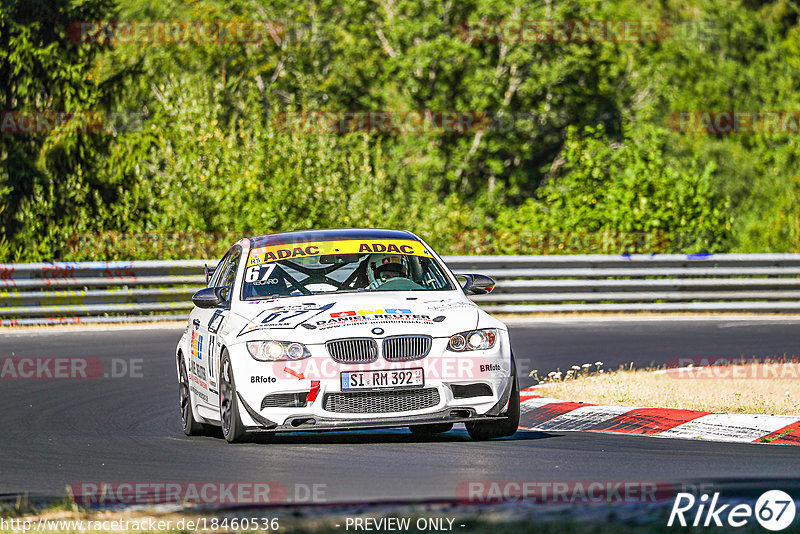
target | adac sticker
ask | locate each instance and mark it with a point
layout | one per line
(320, 248)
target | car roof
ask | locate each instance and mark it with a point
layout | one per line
(304, 236)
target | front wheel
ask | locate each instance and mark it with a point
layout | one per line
(232, 427)
(190, 426)
(505, 427)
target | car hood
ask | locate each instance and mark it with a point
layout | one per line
(319, 318)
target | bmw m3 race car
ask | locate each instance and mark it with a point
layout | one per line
(339, 330)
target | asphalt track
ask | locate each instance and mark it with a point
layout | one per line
(62, 432)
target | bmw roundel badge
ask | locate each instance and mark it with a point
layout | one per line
(377, 331)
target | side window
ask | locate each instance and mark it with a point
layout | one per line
(228, 275)
(221, 266)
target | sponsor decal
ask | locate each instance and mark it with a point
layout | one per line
(320, 248)
(197, 345)
(441, 305)
(197, 370)
(260, 275)
(199, 393)
(195, 380)
(387, 311)
(213, 347)
(382, 316)
(285, 317)
(262, 379)
(490, 367)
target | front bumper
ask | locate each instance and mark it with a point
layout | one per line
(490, 368)
(306, 423)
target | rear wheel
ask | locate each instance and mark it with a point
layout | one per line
(504, 427)
(232, 427)
(190, 426)
(431, 430)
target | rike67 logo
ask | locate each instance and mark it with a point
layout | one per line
(774, 510)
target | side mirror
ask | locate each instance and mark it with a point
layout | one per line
(477, 284)
(209, 297)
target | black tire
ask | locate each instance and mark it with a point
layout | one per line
(505, 427)
(232, 428)
(431, 429)
(190, 426)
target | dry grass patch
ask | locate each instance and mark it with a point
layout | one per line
(754, 388)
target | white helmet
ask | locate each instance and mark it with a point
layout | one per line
(383, 267)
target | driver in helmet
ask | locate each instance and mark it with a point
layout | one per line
(383, 267)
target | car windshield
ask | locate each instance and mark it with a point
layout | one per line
(341, 266)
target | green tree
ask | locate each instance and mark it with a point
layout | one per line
(47, 179)
(606, 188)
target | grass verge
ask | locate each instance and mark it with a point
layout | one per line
(754, 388)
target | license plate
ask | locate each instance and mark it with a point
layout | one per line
(382, 379)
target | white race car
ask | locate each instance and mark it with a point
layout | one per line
(340, 330)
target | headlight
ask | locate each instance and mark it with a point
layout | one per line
(267, 351)
(473, 340)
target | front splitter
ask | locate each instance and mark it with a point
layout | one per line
(308, 423)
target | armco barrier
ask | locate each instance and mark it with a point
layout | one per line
(81, 292)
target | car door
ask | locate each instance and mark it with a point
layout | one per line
(205, 326)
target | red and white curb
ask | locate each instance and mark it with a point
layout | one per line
(546, 414)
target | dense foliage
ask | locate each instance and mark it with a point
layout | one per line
(574, 148)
